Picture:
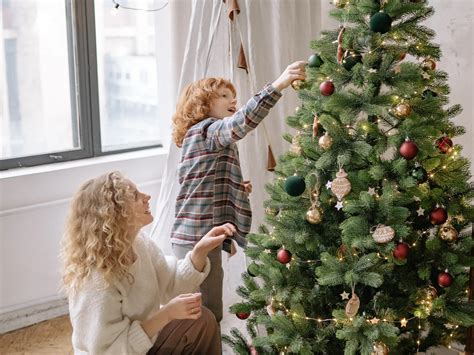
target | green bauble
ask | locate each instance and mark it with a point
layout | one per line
(351, 59)
(295, 185)
(419, 174)
(428, 93)
(315, 61)
(380, 22)
(252, 269)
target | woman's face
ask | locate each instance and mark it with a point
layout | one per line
(139, 207)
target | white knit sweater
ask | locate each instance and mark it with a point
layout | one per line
(107, 320)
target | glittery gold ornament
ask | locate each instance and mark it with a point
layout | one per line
(430, 293)
(325, 142)
(428, 64)
(448, 233)
(271, 211)
(339, 3)
(402, 110)
(297, 84)
(383, 234)
(352, 306)
(314, 215)
(341, 186)
(295, 147)
(380, 349)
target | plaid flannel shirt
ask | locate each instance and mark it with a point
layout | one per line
(212, 190)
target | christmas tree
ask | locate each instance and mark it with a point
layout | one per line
(365, 248)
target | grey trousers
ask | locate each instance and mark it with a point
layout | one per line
(211, 288)
(189, 337)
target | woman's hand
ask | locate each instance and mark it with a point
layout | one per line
(186, 306)
(294, 71)
(210, 241)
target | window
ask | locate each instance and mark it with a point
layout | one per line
(79, 78)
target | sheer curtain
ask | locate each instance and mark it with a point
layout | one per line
(273, 33)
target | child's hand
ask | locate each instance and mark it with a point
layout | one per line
(247, 187)
(294, 71)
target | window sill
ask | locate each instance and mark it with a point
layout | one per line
(73, 164)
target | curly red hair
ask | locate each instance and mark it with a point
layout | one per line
(194, 105)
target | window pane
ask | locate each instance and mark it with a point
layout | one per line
(127, 72)
(36, 79)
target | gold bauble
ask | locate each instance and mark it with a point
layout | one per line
(341, 186)
(448, 233)
(352, 306)
(297, 84)
(314, 215)
(383, 234)
(339, 3)
(428, 64)
(325, 142)
(402, 110)
(380, 349)
(296, 149)
(430, 293)
(271, 211)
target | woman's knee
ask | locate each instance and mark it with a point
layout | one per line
(208, 321)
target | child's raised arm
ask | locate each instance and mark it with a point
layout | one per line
(221, 133)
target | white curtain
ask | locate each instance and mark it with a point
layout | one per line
(274, 33)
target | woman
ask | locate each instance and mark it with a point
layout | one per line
(116, 278)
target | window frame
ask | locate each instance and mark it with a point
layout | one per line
(81, 34)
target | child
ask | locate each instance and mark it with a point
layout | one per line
(206, 125)
(117, 278)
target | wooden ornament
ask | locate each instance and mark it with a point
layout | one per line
(341, 186)
(352, 306)
(383, 234)
(340, 50)
(315, 125)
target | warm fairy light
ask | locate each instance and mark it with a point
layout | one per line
(305, 126)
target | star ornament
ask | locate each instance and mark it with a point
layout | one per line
(404, 322)
(328, 185)
(374, 320)
(420, 211)
(372, 191)
(425, 75)
(345, 295)
(417, 199)
(339, 205)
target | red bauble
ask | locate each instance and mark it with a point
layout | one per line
(438, 216)
(444, 144)
(326, 88)
(284, 256)
(401, 251)
(445, 279)
(242, 315)
(408, 149)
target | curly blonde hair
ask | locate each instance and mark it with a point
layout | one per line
(194, 105)
(96, 236)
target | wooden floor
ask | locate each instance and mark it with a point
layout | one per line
(52, 337)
